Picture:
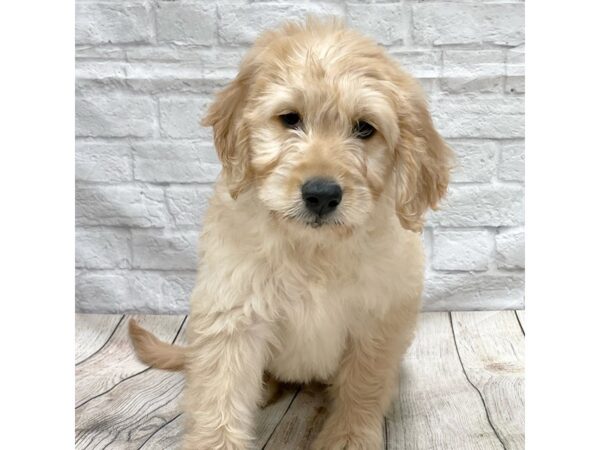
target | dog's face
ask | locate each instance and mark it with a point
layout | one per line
(318, 134)
(322, 124)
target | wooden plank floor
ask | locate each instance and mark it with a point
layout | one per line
(461, 388)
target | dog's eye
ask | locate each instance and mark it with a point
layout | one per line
(363, 130)
(291, 120)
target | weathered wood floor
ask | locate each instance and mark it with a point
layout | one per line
(461, 388)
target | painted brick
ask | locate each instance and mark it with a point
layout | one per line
(147, 70)
(422, 64)
(512, 161)
(387, 24)
(83, 52)
(151, 77)
(241, 23)
(102, 249)
(186, 22)
(479, 117)
(180, 117)
(475, 161)
(120, 206)
(113, 23)
(510, 245)
(427, 239)
(217, 57)
(115, 115)
(102, 292)
(166, 250)
(103, 162)
(177, 162)
(100, 75)
(160, 292)
(473, 71)
(177, 77)
(468, 23)
(473, 291)
(133, 291)
(485, 206)
(462, 250)
(515, 71)
(187, 204)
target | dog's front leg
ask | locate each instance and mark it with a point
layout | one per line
(365, 385)
(223, 380)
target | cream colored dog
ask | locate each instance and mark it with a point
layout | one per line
(311, 258)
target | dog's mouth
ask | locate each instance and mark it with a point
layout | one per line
(311, 220)
(318, 222)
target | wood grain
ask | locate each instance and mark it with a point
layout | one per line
(92, 331)
(151, 398)
(437, 408)
(116, 361)
(131, 413)
(270, 417)
(133, 410)
(303, 420)
(461, 388)
(491, 347)
(167, 437)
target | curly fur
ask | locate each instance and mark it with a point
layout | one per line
(336, 301)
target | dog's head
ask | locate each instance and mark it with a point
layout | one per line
(321, 123)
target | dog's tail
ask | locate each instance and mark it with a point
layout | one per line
(155, 352)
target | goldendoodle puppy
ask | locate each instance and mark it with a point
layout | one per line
(311, 262)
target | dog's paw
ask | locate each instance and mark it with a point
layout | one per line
(348, 441)
(271, 391)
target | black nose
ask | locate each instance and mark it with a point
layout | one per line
(321, 196)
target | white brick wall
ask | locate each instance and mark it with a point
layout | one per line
(146, 70)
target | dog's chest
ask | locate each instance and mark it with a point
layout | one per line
(311, 337)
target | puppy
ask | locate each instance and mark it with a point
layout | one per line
(311, 257)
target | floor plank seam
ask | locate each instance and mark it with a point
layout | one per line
(151, 419)
(112, 387)
(103, 345)
(520, 324)
(385, 433)
(281, 418)
(487, 414)
(158, 429)
(179, 330)
(130, 376)
(150, 412)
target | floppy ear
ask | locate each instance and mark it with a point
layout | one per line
(230, 133)
(423, 159)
